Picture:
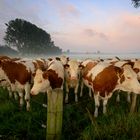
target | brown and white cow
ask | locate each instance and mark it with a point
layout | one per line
(87, 64)
(45, 81)
(3, 82)
(72, 76)
(105, 78)
(18, 77)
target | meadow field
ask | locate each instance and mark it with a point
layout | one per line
(78, 120)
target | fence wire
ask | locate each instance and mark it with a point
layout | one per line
(65, 107)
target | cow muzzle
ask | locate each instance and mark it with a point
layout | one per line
(33, 92)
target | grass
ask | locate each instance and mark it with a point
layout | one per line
(78, 120)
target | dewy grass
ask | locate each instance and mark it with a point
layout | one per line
(78, 120)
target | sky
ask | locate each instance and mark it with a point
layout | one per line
(80, 25)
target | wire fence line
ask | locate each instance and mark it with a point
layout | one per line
(65, 105)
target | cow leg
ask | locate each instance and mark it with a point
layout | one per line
(76, 93)
(67, 92)
(21, 102)
(128, 97)
(133, 105)
(118, 98)
(10, 94)
(27, 96)
(90, 94)
(15, 95)
(82, 86)
(104, 105)
(97, 104)
(10, 91)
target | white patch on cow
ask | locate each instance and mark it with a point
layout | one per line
(3, 75)
(57, 67)
(130, 83)
(28, 63)
(18, 86)
(97, 69)
(120, 63)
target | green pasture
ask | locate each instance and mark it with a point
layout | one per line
(78, 120)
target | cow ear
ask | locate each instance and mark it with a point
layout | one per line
(118, 69)
(50, 59)
(117, 58)
(57, 58)
(101, 59)
(136, 70)
(131, 64)
(81, 67)
(66, 66)
(43, 68)
(68, 58)
(33, 74)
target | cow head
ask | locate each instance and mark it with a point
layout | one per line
(72, 72)
(41, 82)
(130, 82)
(136, 68)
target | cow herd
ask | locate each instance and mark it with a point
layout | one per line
(24, 77)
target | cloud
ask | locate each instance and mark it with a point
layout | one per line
(64, 9)
(92, 33)
(69, 10)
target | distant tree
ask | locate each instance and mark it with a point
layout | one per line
(136, 3)
(28, 38)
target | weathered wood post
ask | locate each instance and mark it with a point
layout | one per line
(54, 114)
(133, 104)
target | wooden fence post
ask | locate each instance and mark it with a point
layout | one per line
(54, 114)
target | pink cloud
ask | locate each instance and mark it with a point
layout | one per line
(69, 10)
(64, 8)
(92, 33)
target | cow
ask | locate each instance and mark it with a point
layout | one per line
(72, 76)
(18, 77)
(51, 78)
(3, 82)
(105, 78)
(88, 64)
(31, 65)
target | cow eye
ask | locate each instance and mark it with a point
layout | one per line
(40, 81)
(128, 77)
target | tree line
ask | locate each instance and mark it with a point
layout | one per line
(27, 38)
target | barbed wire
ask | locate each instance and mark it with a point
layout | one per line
(42, 104)
(65, 106)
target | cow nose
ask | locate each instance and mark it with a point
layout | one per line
(32, 92)
(73, 78)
